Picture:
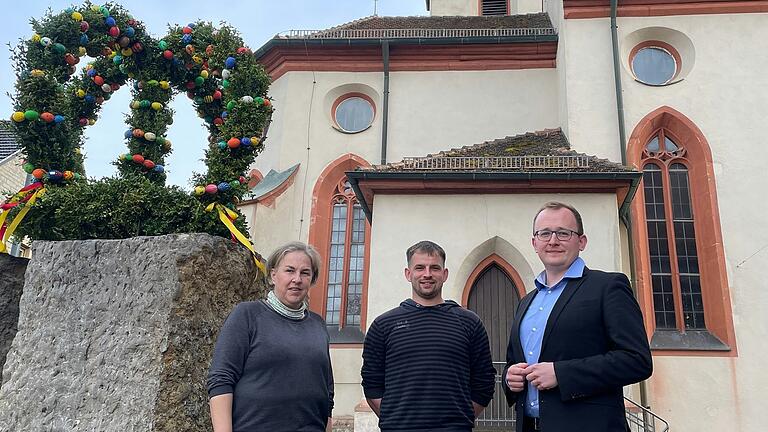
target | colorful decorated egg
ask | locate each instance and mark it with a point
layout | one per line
(137, 158)
(31, 115)
(233, 142)
(157, 106)
(149, 136)
(18, 117)
(211, 189)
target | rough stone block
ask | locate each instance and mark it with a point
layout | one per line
(117, 335)
(11, 284)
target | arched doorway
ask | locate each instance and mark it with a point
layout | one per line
(494, 298)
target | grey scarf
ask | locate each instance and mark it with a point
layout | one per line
(278, 306)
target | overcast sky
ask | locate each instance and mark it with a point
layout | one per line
(257, 21)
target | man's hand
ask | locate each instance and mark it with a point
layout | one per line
(541, 375)
(375, 405)
(515, 378)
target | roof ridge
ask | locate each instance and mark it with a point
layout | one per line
(546, 133)
(354, 21)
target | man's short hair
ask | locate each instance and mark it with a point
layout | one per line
(556, 205)
(426, 247)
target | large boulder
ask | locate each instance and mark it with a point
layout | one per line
(11, 284)
(117, 335)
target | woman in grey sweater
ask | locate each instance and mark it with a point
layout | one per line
(271, 368)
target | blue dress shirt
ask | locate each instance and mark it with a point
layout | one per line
(535, 321)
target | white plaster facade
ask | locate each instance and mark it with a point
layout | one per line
(723, 92)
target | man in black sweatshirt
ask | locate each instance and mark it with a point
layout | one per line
(427, 363)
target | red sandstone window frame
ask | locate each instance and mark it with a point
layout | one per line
(713, 276)
(659, 45)
(345, 97)
(320, 229)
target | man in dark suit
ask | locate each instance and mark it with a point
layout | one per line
(576, 340)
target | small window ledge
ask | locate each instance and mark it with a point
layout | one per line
(691, 340)
(345, 335)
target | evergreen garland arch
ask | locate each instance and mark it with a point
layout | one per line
(54, 105)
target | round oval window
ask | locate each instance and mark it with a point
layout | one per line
(654, 66)
(354, 114)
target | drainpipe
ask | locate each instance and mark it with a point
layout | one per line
(385, 104)
(625, 215)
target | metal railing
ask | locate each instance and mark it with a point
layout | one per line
(641, 419)
(498, 416)
(411, 33)
(495, 163)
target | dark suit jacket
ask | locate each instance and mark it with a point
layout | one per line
(596, 339)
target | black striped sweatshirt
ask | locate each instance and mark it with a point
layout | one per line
(428, 364)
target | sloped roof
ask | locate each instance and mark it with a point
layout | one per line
(537, 20)
(271, 182)
(9, 143)
(542, 151)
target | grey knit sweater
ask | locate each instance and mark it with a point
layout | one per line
(277, 369)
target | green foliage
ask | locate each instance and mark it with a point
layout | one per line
(115, 208)
(195, 59)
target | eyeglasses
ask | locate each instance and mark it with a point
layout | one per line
(562, 234)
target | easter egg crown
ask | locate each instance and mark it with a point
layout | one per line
(56, 99)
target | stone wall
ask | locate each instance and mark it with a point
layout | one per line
(117, 335)
(11, 284)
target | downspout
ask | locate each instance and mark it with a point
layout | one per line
(385, 103)
(625, 212)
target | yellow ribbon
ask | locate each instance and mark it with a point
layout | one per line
(17, 220)
(227, 216)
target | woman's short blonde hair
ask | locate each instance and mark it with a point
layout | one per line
(277, 256)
